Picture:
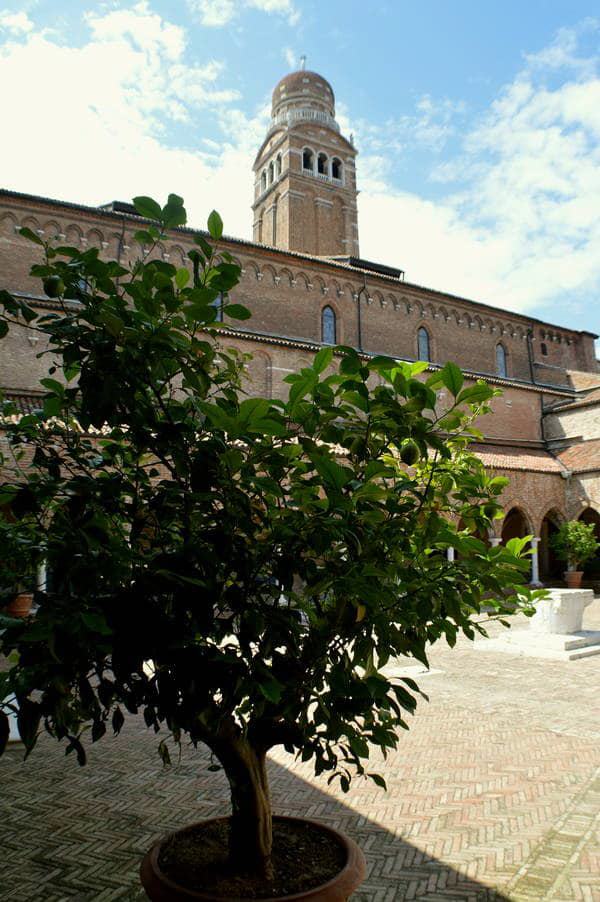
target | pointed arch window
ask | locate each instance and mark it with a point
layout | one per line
(501, 367)
(271, 172)
(322, 164)
(423, 344)
(278, 165)
(263, 180)
(308, 160)
(336, 169)
(328, 326)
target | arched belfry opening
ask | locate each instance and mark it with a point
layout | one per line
(310, 164)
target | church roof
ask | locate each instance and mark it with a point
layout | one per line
(584, 457)
(500, 457)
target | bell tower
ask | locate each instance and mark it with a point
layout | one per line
(304, 173)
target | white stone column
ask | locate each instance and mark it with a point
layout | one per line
(42, 577)
(494, 542)
(535, 565)
(450, 554)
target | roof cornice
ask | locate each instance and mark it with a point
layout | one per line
(325, 262)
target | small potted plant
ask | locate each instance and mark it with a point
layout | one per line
(18, 569)
(575, 542)
(238, 570)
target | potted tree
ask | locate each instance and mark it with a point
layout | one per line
(575, 542)
(239, 570)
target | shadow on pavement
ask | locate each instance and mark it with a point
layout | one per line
(70, 833)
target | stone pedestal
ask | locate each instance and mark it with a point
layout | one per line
(13, 735)
(555, 631)
(562, 612)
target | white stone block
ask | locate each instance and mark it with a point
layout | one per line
(562, 612)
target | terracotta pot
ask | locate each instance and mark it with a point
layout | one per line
(159, 888)
(20, 606)
(573, 579)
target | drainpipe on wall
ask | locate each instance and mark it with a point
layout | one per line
(530, 354)
(358, 311)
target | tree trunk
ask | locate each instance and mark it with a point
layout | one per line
(251, 835)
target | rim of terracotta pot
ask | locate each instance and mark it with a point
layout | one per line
(342, 885)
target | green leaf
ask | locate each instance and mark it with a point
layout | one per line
(452, 378)
(31, 236)
(76, 746)
(322, 359)
(173, 213)
(215, 225)
(96, 622)
(475, 393)
(117, 720)
(53, 385)
(28, 721)
(378, 780)
(148, 208)
(182, 277)
(143, 237)
(201, 241)
(271, 689)
(237, 311)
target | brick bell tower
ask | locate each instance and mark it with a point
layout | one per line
(305, 181)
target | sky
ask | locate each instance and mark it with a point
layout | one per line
(477, 124)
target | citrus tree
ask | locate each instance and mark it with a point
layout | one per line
(239, 570)
(575, 542)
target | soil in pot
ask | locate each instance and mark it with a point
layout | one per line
(303, 857)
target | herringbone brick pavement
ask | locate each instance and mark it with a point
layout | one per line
(493, 795)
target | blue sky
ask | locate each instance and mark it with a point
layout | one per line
(478, 124)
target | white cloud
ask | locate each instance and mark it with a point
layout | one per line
(217, 13)
(17, 23)
(283, 7)
(519, 224)
(214, 13)
(128, 85)
(290, 57)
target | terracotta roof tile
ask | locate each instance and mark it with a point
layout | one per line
(25, 402)
(500, 457)
(581, 458)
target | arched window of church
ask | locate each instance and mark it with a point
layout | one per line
(423, 344)
(322, 164)
(278, 165)
(328, 326)
(501, 367)
(271, 172)
(308, 160)
(263, 180)
(336, 169)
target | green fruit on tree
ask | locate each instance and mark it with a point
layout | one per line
(54, 286)
(410, 453)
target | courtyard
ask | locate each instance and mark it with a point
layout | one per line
(494, 794)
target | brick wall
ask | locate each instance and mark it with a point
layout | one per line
(287, 293)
